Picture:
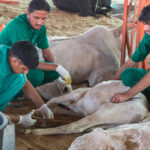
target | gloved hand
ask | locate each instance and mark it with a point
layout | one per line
(64, 74)
(46, 112)
(26, 120)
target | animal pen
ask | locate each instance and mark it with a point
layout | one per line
(126, 42)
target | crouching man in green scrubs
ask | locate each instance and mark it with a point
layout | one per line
(30, 26)
(15, 63)
(138, 79)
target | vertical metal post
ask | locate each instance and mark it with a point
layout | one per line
(124, 32)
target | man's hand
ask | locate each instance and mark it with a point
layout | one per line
(46, 112)
(26, 120)
(119, 98)
(64, 74)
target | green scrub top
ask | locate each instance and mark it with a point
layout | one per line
(20, 29)
(131, 76)
(143, 49)
(10, 83)
(5, 69)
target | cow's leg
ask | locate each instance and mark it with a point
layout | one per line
(109, 113)
(71, 97)
(93, 8)
(59, 110)
(97, 118)
(75, 127)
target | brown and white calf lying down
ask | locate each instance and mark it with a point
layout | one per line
(97, 110)
(124, 137)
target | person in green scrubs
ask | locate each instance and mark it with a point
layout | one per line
(30, 26)
(15, 64)
(137, 79)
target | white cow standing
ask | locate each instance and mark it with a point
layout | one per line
(95, 107)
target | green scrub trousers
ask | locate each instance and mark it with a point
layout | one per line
(131, 76)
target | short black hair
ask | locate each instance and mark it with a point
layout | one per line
(26, 52)
(145, 15)
(38, 5)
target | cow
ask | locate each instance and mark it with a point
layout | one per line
(93, 56)
(124, 137)
(84, 7)
(96, 109)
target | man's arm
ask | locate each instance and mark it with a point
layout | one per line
(31, 93)
(48, 56)
(140, 86)
(128, 64)
(13, 118)
(54, 67)
(26, 120)
(47, 66)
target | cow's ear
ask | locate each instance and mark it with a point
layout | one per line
(118, 31)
